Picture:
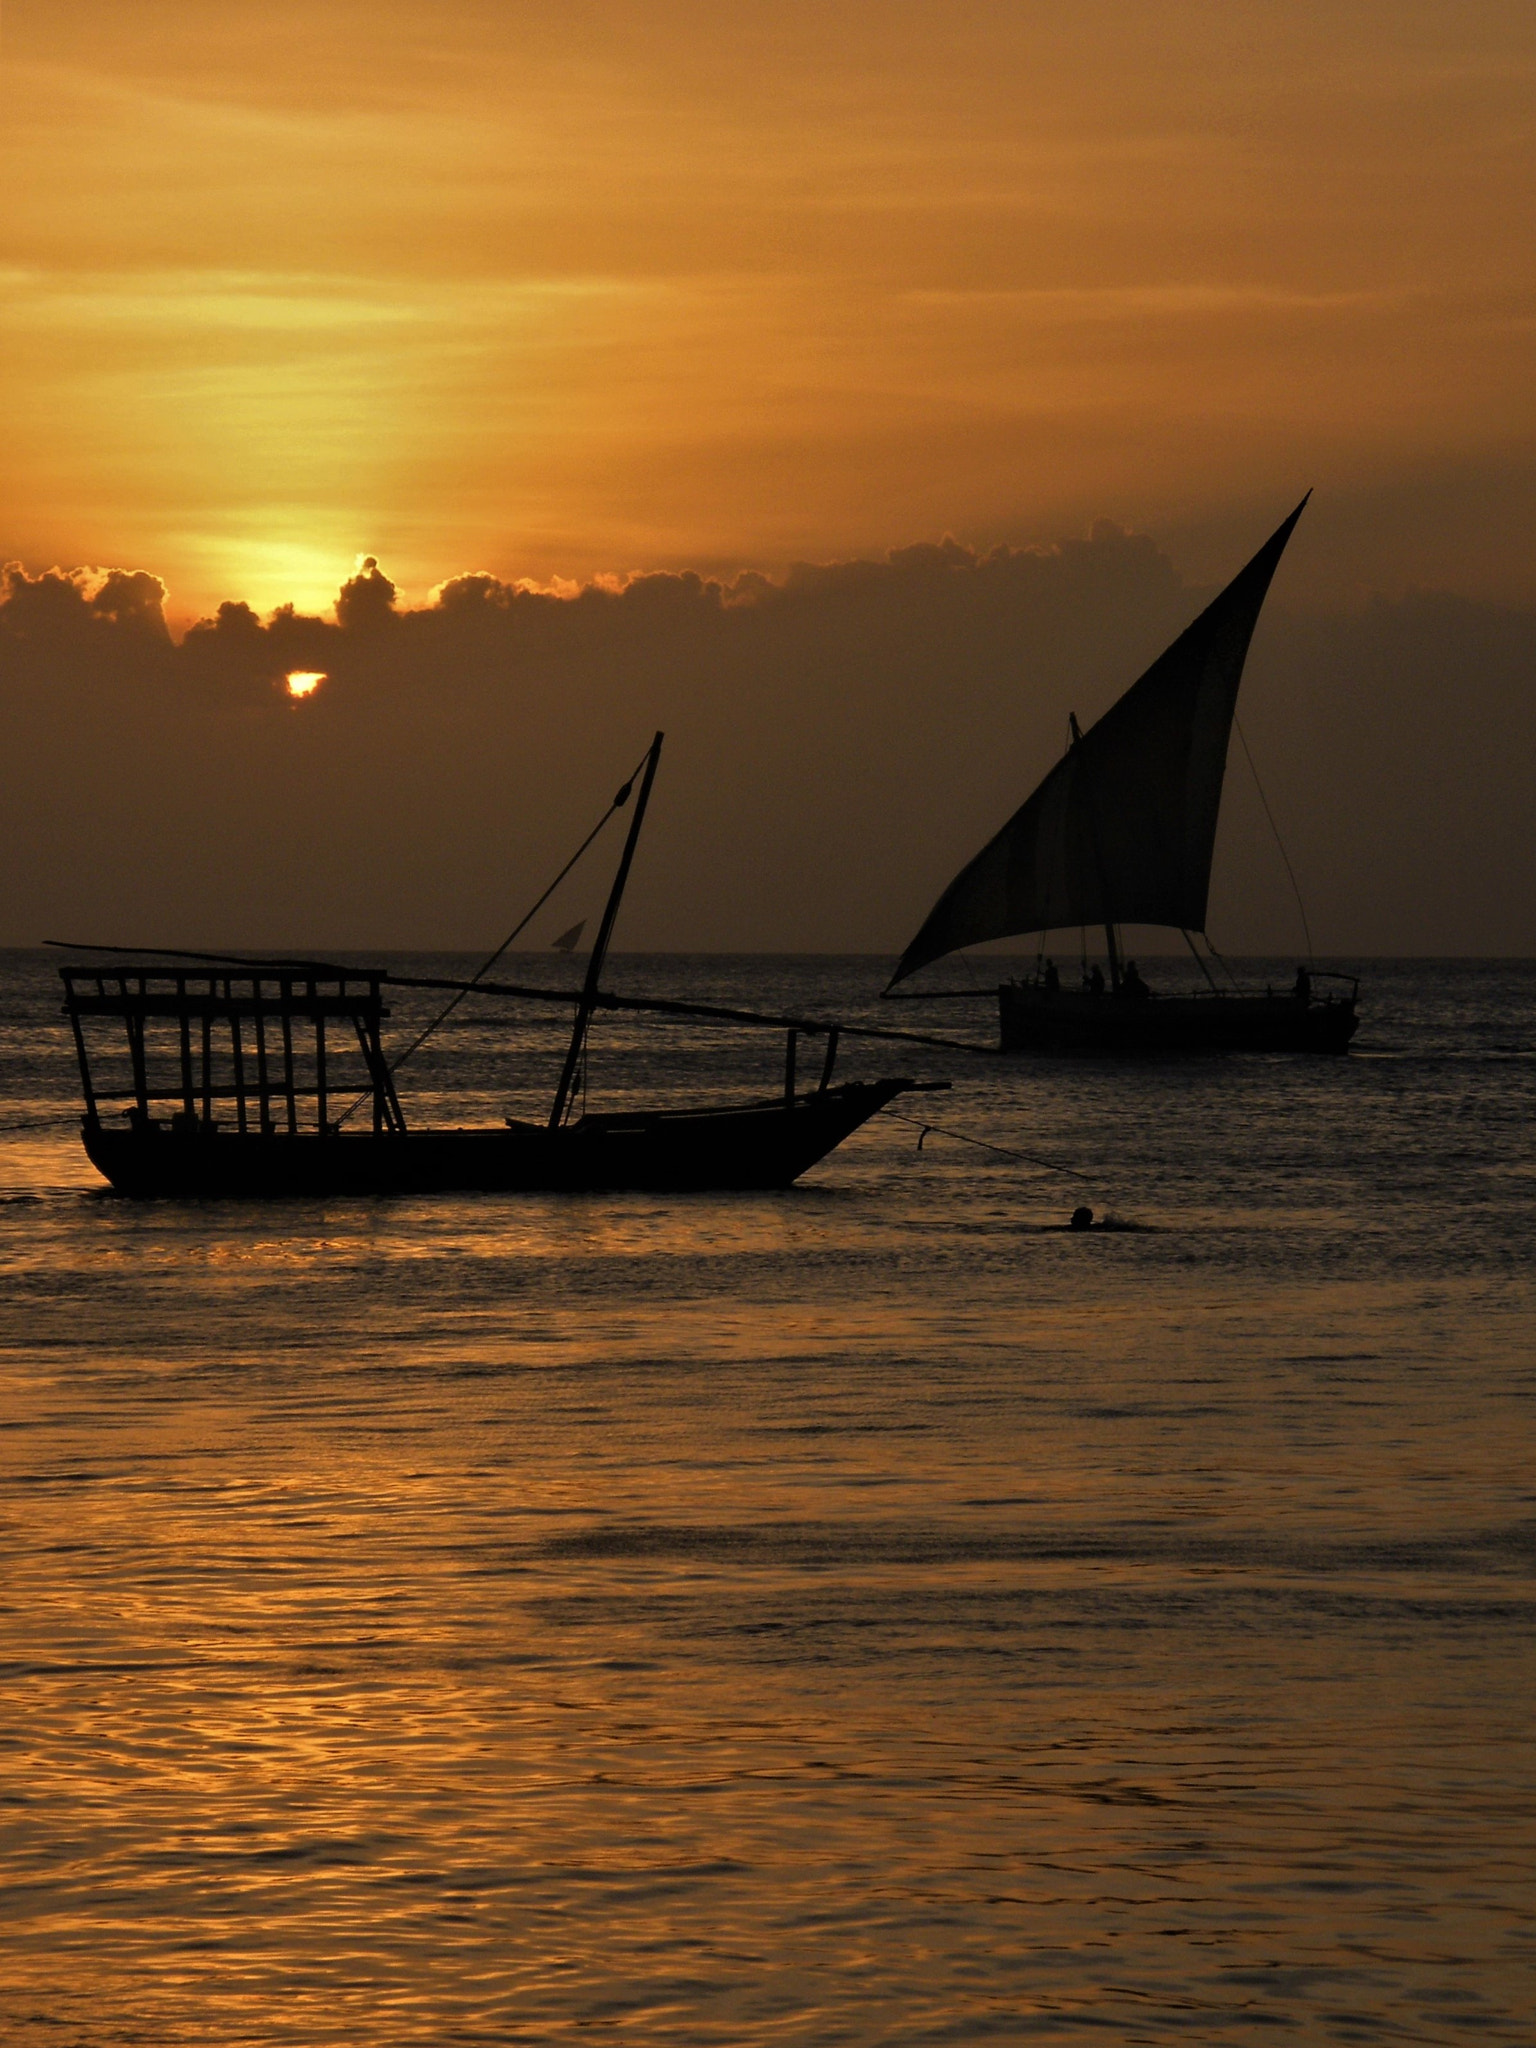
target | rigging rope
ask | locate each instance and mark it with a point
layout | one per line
(1264, 800)
(1195, 954)
(619, 801)
(1222, 963)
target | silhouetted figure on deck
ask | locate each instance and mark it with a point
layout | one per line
(1302, 989)
(1095, 980)
(1052, 978)
(1131, 983)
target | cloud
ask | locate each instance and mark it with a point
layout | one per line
(113, 610)
(366, 603)
(840, 738)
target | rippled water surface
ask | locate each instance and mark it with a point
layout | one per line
(850, 1615)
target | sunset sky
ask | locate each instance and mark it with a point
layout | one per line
(564, 293)
(556, 291)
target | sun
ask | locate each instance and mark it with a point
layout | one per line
(303, 682)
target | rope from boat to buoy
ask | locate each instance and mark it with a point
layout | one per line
(1082, 1217)
(923, 1127)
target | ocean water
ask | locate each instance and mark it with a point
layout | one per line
(859, 1614)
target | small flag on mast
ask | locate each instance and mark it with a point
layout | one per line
(567, 940)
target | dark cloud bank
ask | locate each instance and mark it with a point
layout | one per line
(837, 743)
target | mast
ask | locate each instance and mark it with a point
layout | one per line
(604, 933)
(1098, 855)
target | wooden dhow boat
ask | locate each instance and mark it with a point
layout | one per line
(225, 1079)
(1122, 831)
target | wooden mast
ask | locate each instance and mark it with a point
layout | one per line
(604, 933)
(1098, 858)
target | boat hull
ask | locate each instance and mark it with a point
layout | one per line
(757, 1145)
(1036, 1019)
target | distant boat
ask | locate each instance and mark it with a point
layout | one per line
(224, 1080)
(1122, 831)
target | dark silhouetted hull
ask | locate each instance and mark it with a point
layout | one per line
(1034, 1019)
(759, 1145)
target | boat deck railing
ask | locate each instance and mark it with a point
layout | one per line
(1038, 985)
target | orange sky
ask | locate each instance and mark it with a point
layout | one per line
(562, 291)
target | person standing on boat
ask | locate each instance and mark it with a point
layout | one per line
(1094, 980)
(1302, 989)
(1052, 978)
(1131, 983)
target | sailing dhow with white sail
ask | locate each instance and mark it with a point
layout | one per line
(1122, 831)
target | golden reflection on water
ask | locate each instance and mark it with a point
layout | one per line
(856, 1616)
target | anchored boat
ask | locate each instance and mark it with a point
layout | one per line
(1122, 831)
(232, 1078)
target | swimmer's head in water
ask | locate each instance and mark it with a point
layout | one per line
(1082, 1219)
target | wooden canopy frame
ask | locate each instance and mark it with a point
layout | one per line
(259, 1009)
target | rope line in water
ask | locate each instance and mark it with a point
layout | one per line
(38, 1123)
(1005, 1151)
